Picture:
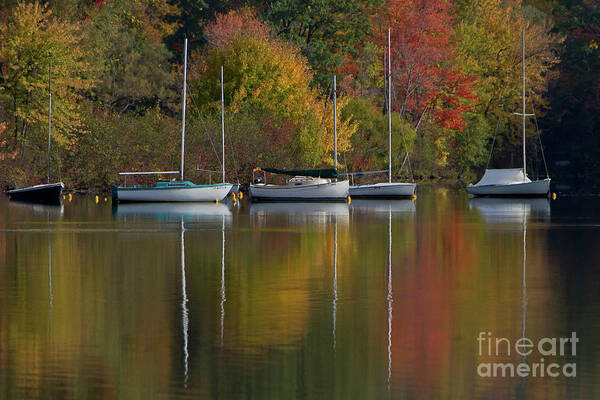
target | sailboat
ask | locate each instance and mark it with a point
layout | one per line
(172, 190)
(512, 182)
(305, 185)
(389, 188)
(49, 192)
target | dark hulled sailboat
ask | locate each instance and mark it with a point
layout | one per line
(45, 193)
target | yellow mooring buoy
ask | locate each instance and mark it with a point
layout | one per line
(349, 200)
(240, 195)
(553, 196)
(70, 197)
(413, 197)
(97, 199)
(217, 201)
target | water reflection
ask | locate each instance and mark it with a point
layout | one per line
(383, 207)
(223, 297)
(335, 283)
(299, 213)
(50, 296)
(188, 212)
(386, 304)
(184, 307)
(38, 208)
(495, 210)
(390, 298)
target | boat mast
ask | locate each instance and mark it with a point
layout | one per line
(49, 114)
(523, 94)
(223, 124)
(389, 109)
(334, 123)
(183, 114)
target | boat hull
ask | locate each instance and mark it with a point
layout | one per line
(201, 193)
(330, 191)
(235, 188)
(539, 188)
(383, 190)
(47, 194)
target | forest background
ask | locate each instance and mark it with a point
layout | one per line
(117, 71)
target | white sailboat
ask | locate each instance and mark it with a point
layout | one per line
(389, 188)
(46, 193)
(512, 182)
(172, 190)
(305, 185)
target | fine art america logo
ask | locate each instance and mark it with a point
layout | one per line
(533, 363)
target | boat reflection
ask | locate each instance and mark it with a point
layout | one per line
(496, 210)
(298, 213)
(185, 319)
(38, 208)
(383, 207)
(187, 212)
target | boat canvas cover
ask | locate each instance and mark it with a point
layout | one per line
(330, 173)
(503, 177)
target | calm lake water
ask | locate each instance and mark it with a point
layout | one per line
(376, 299)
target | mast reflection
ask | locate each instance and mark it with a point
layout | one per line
(335, 288)
(184, 307)
(223, 297)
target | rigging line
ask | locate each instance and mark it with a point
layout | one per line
(345, 163)
(402, 139)
(537, 129)
(403, 161)
(323, 121)
(232, 151)
(493, 143)
(208, 136)
(412, 177)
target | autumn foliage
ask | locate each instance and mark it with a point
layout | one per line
(233, 25)
(422, 53)
(455, 82)
(270, 79)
